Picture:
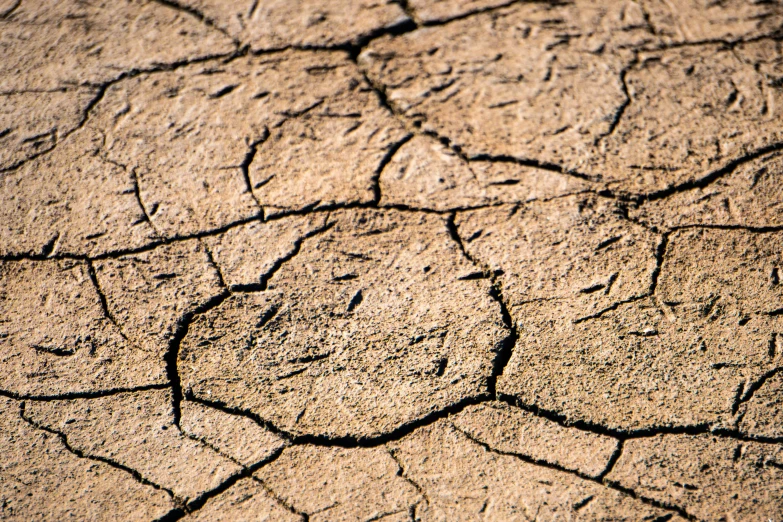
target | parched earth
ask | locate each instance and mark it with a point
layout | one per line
(372, 260)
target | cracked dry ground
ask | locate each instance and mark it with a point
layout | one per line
(370, 260)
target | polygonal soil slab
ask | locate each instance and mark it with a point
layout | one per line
(691, 113)
(51, 47)
(71, 202)
(33, 122)
(277, 24)
(42, 479)
(691, 21)
(373, 325)
(462, 480)
(137, 431)
(210, 145)
(687, 356)
(55, 337)
(712, 478)
(556, 85)
(340, 483)
(577, 252)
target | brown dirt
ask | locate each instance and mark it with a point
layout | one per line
(391, 260)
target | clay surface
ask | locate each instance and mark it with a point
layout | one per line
(43, 479)
(383, 290)
(136, 431)
(698, 470)
(512, 430)
(340, 484)
(57, 339)
(391, 260)
(278, 24)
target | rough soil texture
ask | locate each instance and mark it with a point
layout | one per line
(421, 260)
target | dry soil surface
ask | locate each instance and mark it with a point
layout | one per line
(387, 260)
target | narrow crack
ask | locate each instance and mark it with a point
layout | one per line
(530, 162)
(613, 458)
(102, 298)
(214, 265)
(744, 228)
(192, 11)
(245, 168)
(755, 386)
(99, 93)
(82, 395)
(618, 114)
(307, 211)
(212, 232)
(773, 36)
(140, 202)
(286, 505)
(506, 346)
(172, 355)
(660, 257)
(134, 177)
(418, 487)
(525, 458)
(387, 158)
